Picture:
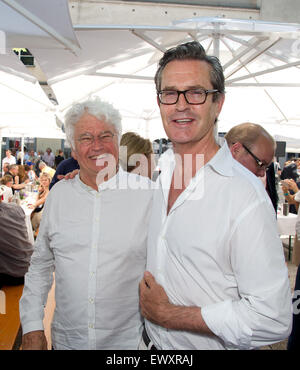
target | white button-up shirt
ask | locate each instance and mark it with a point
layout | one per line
(218, 249)
(96, 244)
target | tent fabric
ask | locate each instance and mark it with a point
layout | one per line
(118, 63)
(25, 108)
(261, 61)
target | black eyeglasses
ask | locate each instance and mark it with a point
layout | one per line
(260, 164)
(193, 96)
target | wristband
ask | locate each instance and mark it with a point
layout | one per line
(286, 194)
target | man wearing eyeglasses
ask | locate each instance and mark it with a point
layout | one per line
(93, 236)
(252, 146)
(216, 276)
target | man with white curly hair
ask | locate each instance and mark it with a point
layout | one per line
(93, 236)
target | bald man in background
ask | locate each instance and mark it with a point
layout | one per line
(252, 146)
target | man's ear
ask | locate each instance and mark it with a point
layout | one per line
(236, 149)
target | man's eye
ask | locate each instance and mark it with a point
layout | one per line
(196, 92)
(170, 93)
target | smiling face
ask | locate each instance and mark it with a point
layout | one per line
(188, 125)
(45, 181)
(88, 155)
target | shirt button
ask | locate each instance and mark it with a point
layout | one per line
(91, 326)
(91, 300)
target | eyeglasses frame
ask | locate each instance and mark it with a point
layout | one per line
(259, 163)
(179, 92)
(102, 134)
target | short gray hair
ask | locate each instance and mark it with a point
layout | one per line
(96, 107)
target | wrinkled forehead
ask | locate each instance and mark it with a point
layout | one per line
(188, 73)
(91, 124)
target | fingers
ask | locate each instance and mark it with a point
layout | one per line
(149, 278)
(68, 176)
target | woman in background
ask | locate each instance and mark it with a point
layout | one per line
(136, 154)
(36, 215)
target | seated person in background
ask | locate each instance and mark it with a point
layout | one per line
(30, 172)
(46, 169)
(36, 215)
(66, 166)
(290, 188)
(6, 186)
(5, 168)
(136, 154)
(14, 172)
(15, 249)
(22, 174)
(290, 172)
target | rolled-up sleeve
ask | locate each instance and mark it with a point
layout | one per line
(263, 315)
(38, 280)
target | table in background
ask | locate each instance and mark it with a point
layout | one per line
(287, 226)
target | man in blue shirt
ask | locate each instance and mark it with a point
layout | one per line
(65, 166)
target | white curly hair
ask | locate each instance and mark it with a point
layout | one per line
(96, 107)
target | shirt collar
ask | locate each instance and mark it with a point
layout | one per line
(222, 161)
(109, 184)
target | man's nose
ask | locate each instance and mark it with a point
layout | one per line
(97, 142)
(181, 102)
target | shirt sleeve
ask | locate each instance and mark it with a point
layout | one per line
(38, 279)
(263, 314)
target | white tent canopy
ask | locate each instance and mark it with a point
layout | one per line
(25, 109)
(260, 59)
(118, 63)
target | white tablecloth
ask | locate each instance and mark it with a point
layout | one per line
(24, 204)
(287, 224)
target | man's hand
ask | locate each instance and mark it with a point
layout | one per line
(68, 176)
(34, 340)
(290, 184)
(154, 301)
(156, 307)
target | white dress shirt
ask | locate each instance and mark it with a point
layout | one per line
(96, 244)
(218, 249)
